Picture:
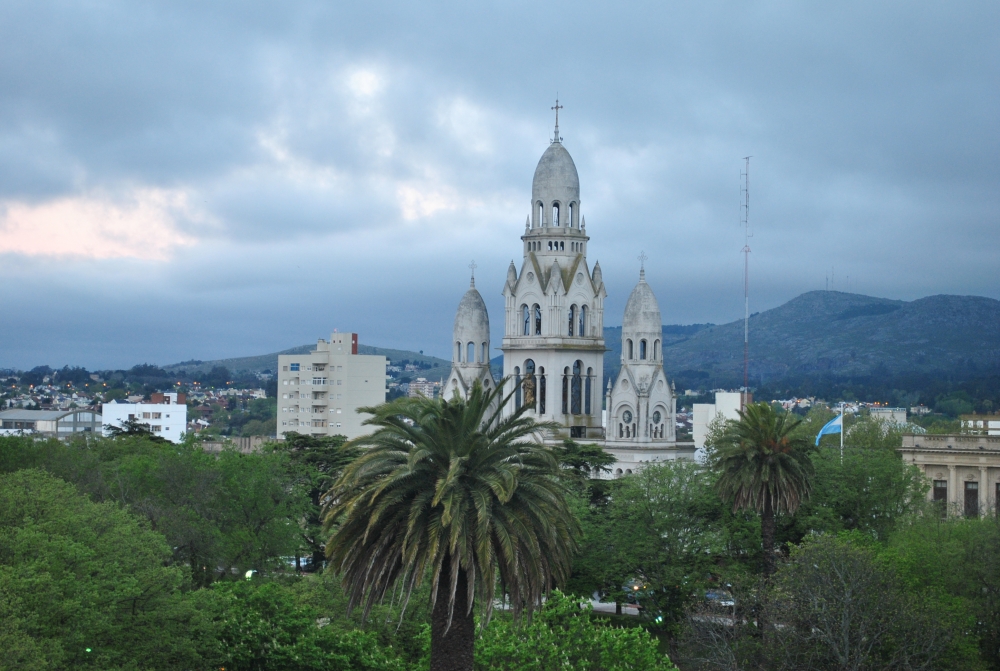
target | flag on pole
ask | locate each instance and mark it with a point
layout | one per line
(835, 425)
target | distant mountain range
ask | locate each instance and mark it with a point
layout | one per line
(827, 334)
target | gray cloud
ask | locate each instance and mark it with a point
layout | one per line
(339, 165)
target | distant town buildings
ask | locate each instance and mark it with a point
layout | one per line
(423, 387)
(52, 423)
(889, 415)
(164, 413)
(319, 393)
(981, 425)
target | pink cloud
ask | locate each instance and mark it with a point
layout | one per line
(142, 226)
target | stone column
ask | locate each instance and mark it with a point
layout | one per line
(953, 502)
(984, 500)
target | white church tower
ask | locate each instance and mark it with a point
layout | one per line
(554, 305)
(470, 345)
(641, 405)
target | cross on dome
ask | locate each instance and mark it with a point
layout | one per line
(555, 137)
(472, 267)
(642, 265)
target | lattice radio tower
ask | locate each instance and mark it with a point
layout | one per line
(747, 234)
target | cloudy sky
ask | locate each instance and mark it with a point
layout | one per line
(200, 180)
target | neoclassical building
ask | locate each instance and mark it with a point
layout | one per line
(553, 343)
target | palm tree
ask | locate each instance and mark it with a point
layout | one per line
(451, 491)
(763, 467)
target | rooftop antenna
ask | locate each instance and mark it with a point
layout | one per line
(556, 138)
(747, 234)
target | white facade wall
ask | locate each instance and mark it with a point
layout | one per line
(319, 393)
(727, 404)
(891, 415)
(167, 420)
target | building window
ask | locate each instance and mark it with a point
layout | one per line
(587, 391)
(538, 319)
(526, 320)
(572, 318)
(294, 366)
(541, 214)
(157, 415)
(319, 380)
(541, 390)
(458, 352)
(576, 387)
(642, 349)
(485, 355)
(972, 499)
(555, 214)
(565, 391)
(656, 350)
(517, 387)
(157, 428)
(571, 220)
(583, 321)
(940, 490)
(628, 348)
(530, 384)
(470, 353)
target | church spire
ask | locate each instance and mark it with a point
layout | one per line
(472, 267)
(642, 266)
(555, 137)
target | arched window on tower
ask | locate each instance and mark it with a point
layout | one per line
(541, 390)
(656, 350)
(470, 353)
(565, 391)
(555, 214)
(517, 387)
(541, 215)
(572, 319)
(538, 319)
(530, 384)
(484, 357)
(642, 349)
(587, 391)
(628, 349)
(571, 219)
(576, 387)
(583, 321)
(526, 320)
(458, 352)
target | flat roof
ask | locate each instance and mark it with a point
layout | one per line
(22, 415)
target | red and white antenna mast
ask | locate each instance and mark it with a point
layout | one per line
(747, 234)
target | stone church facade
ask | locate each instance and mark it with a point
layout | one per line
(553, 343)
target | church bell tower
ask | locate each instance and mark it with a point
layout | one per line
(553, 344)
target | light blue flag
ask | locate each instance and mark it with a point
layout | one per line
(835, 425)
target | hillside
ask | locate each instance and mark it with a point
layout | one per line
(438, 368)
(839, 335)
(818, 335)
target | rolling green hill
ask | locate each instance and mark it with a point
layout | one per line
(818, 335)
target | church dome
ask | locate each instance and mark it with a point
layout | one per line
(642, 311)
(556, 179)
(472, 325)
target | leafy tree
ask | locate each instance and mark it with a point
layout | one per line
(132, 428)
(262, 627)
(451, 490)
(564, 635)
(585, 464)
(763, 466)
(317, 463)
(668, 518)
(86, 585)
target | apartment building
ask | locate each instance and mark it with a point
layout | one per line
(319, 393)
(165, 414)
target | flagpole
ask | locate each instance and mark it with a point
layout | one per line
(842, 429)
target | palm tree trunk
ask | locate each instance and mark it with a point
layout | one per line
(767, 526)
(451, 650)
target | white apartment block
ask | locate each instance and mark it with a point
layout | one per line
(727, 404)
(165, 414)
(319, 393)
